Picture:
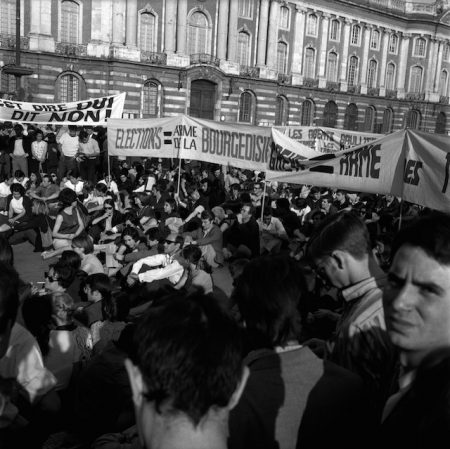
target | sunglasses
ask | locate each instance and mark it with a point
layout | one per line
(109, 207)
(50, 278)
(169, 241)
(53, 176)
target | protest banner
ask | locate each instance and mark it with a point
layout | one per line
(409, 164)
(94, 111)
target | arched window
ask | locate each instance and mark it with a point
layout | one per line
(446, 52)
(8, 83)
(282, 57)
(330, 114)
(375, 40)
(413, 119)
(443, 83)
(150, 99)
(70, 12)
(284, 17)
(390, 76)
(307, 113)
(351, 117)
(332, 67)
(353, 67)
(420, 46)
(311, 25)
(369, 119)
(393, 44)
(281, 113)
(310, 63)
(246, 107)
(147, 32)
(441, 122)
(8, 17)
(243, 48)
(415, 81)
(335, 29)
(388, 120)
(372, 74)
(198, 33)
(356, 35)
(70, 88)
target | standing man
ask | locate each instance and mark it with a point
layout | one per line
(18, 155)
(89, 153)
(68, 145)
(38, 154)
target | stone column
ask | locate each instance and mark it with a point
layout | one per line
(181, 27)
(262, 34)
(439, 66)
(232, 30)
(273, 35)
(384, 49)
(35, 14)
(345, 46)
(131, 28)
(323, 50)
(170, 26)
(403, 62)
(432, 69)
(297, 56)
(365, 59)
(222, 32)
(118, 22)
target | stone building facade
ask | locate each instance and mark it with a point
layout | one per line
(367, 65)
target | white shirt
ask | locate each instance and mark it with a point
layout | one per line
(69, 145)
(171, 268)
(18, 148)
(17, 205)
(5, 189)
(112, 186)
(39, 149)
(77, 188)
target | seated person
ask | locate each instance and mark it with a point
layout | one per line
(107, 223)
(83, 245)
(46, 191)
(272, 233)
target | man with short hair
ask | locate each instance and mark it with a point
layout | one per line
(46, 191)
(186, 373)
(68, 145)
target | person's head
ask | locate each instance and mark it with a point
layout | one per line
(9, 303)
(141, 199)
(73, 176)
(267, 214)
(192, 254)
(97, 287)
(269, 293)
(34, 177)
(67, 197)
(59, 277)
(282, 204)
(326, 202)
(315, 193)
(194, 193)
(257, 188)
(17, 191)
(72, 130)
(83, 244)
(417, 297)
(116, 307)
(247, 212)
(173, 243)
(54, 178)
(207, 218)
(83, 136)
(153, 236)
(46, 180)
(101, 189)
(186, 368)
(340, 248)
(71, 258)
(130, 237)
(39, 135)
(219, 213)
(19, 175)
(63, 308)
(109, 206)
(39, 207)
(340, 196)
(6, 252)
(170, 205)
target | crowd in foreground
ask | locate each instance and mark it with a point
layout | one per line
(336, 331)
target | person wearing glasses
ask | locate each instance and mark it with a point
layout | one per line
(108, 223)
(257, 194)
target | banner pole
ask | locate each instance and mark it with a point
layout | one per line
(263, 199)
(400, 216)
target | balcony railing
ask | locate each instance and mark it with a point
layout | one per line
(443, 99)
(284, 78)
(204, 58)
(391, 93)
(373, 91)
(311, 82)
(67, 49)
(153, 57)
(415, 96)
(9, 41)
(248, 71)
(355, 89)
(333, 86)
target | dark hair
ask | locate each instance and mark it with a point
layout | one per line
(73, 172)
(192, 253)
(110, 202)
(282, 203)
(344, 231)
(101, 283)
(143, 197)
(269, 294)
(116, 307)
(19, 174)
(6, 252)
(72, 128)
(9, 296)
(19, 188)
(65, 274)
(172, 203)
(431, 233)
(207, 215)
(85, 242)
(71, 258)
(189, 353)
(132, 232)
(67, 197)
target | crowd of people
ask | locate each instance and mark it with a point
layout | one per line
(334, 332)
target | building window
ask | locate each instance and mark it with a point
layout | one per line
(330, 114)
(388, 119)
(443, 83)
(393, 44)
(446, 54)
(369, 119)
(351, 117)
(311, 25)
(335, 29)
(413, 119)
(353, 67)
(332, 67)
(390, 76)
(69, 88)
(246, 8)
(375, 40)
(415, 81)
(198, 33)
(420, 46)
(441, 121)
(8, 17)
(310, 63)
(307, 113)
(372, 74)
(243, 48)
(8, 84)
(356, 35)
(150, 100)
(281, 113)
(246, 107)
(70, 22)
(147, 32)
(284, 17)
(282, 57)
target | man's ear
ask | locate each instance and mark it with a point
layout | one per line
(136, 382)
(239, 389)
(339, 257)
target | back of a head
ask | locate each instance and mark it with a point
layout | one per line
(344, 231)
(190, 355)
(269, 295)
(116, 307)
(431, 233)
(100, 282)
